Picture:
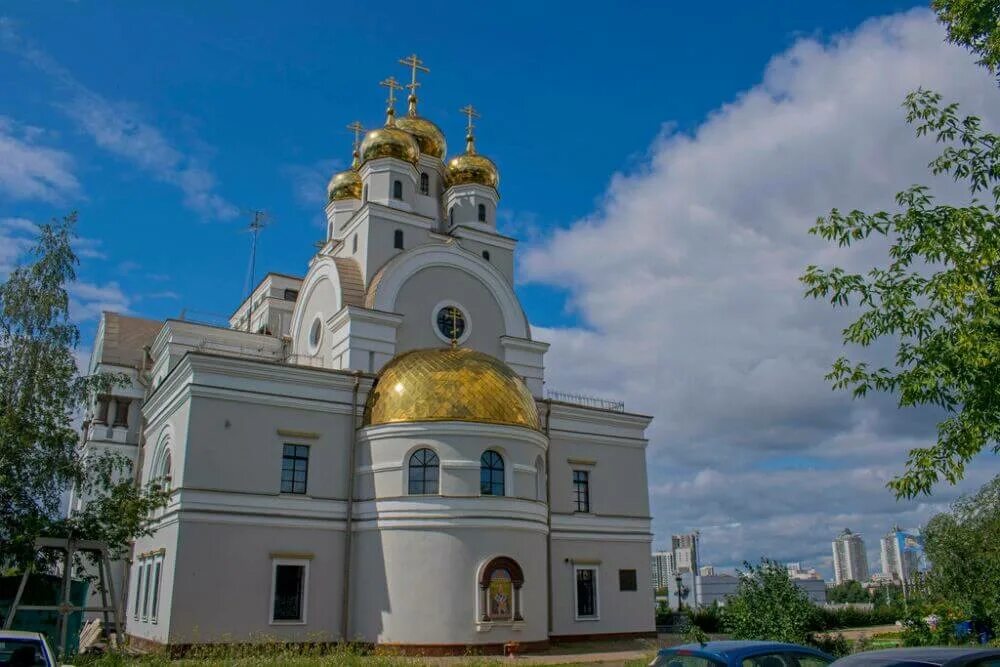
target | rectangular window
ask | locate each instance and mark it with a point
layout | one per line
(288, 585)
(294, 468)
(157, 572)
(147, 575)
(138, 588)
(586, 593)
(627, 580)
(581, 490)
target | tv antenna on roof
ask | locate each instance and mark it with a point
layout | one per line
(258, 221)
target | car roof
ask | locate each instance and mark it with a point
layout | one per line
(926, 655)
(736, 649)
(19, 634)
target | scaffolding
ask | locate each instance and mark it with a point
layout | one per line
(70, 547)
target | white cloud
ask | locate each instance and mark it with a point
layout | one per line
(88, 300)
(17, 235)
(119, 129)
(687, 279)
(29, 170)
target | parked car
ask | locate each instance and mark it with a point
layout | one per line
(934, 656)
(741, 654)
(25, 649)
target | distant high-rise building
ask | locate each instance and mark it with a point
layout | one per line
(663, 568)
(901, 554)
(799, 573)
(706, 571)
(850, 561)
(685, 549)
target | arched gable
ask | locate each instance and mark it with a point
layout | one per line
(385, 286)
(342, 276)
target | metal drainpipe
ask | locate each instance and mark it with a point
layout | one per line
(346, 608)
(548, 509)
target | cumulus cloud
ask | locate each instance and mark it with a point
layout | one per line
(687, 279)
(120, 129)
(29, 170)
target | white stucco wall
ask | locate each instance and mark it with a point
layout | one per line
(419, 585)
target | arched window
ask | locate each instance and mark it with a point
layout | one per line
(425, 184)
(397, 189)
(539, 479)
(164, 472)
(451, 215)
(397, 239)
(491, 474)
(424, 471)
(500, 588)
(482, 213)
(364, 193)
(486, 255)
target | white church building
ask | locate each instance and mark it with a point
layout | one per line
(368, 451)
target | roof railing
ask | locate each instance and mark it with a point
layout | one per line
(586, 401)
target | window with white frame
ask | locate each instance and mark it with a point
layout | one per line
(154, 614)
(289, 586)
(147, 577)
(423, 473)
(294, 468)
(138, 588)
(585, 592)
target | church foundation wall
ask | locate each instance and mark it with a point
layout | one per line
(223, 582)
(620, 613)
(419, 587)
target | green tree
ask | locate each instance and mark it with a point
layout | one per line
(849, 591)
(40, 393)
(974, 24)
(963, 546)
(768, 605)
(937, 297)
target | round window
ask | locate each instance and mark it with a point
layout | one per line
(451, 322)
(315, 332)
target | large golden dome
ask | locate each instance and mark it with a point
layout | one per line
(344, 185)
(471, 167)
(389, 141)
(429, 136)
(450, 384)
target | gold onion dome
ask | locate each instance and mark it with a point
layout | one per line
(471, 167)
(450, 384)
(429, 136)
(389, 141)
(345, 184)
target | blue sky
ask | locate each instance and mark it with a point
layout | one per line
(258, 95)
(660, 162)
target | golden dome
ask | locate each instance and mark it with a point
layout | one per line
(344, 185)
(450, 384)
(470, 167)
(429, 136)
(389, 141)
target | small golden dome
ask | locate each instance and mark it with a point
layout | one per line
(429, 136)
(471, 167)
(390, 141)
(344, 185)
(450, 384)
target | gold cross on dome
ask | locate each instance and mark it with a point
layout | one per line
(415, 64)
(471, 113)
(393, 86)
(357, 128)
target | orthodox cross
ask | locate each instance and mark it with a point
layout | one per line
(415, 64)
(454, 312)
(357, 128)
(393, 86)
(471, 113)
